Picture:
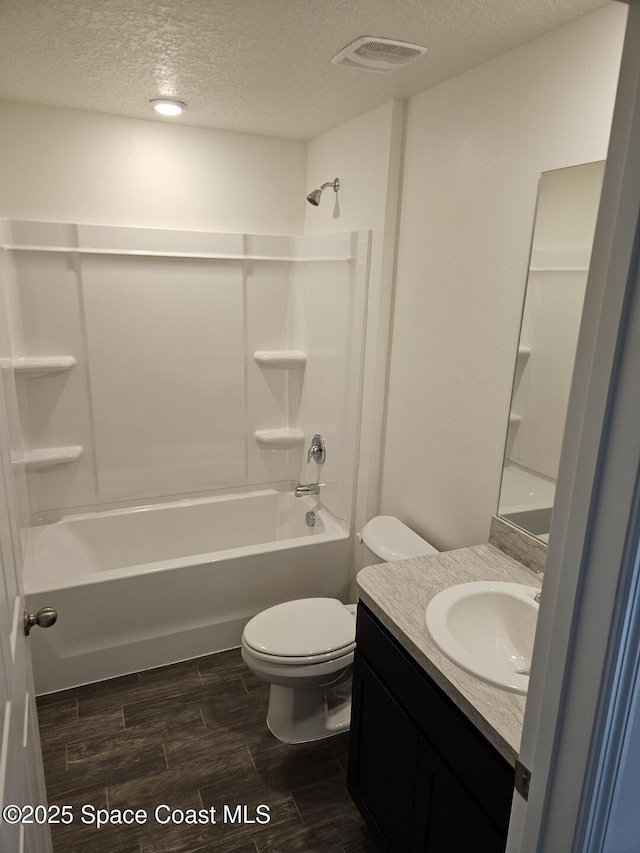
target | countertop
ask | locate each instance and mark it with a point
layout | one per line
(398, 594)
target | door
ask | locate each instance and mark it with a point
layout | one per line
(21, 771)
(584, 672)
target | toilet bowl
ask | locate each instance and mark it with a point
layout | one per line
(304, 648)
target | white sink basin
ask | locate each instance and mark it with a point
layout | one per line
(487, 629)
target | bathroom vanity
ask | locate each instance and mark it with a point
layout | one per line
(432, 749)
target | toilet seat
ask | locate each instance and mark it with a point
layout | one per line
(329, 662)
(305, 631)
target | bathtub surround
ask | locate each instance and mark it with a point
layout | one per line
(167, 397)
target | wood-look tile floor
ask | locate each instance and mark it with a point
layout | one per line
(192, 736)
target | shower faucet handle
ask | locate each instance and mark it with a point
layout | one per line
(318, 449)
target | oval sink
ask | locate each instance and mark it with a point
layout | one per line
(487, 629)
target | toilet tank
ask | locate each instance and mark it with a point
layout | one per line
(387, 539)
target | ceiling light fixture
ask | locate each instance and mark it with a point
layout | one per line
(167, 106)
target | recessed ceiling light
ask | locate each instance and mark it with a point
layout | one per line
(167, 106)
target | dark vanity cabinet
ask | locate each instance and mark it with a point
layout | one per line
(422, 775)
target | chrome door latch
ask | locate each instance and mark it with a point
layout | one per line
(44, 618)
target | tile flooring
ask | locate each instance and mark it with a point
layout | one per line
(192, 736)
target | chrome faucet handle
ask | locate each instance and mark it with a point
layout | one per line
(318, 449)
(536, 597)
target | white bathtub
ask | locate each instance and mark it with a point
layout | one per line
(148, 586)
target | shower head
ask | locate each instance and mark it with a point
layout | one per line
(314, 196)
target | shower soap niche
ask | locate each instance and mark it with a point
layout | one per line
(45, 457)
(32, 367)
(281, 437)
(282, 358)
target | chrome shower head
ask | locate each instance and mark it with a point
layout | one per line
(314, 196)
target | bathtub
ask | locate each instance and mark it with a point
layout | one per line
(147, 586)
(526, 499)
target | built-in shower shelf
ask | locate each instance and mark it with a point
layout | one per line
(524, 352)
(514, 419)
(31, 367)
(283, 358)
(46, 457)
(281, 437)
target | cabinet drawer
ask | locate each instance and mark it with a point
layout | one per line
(487, 776)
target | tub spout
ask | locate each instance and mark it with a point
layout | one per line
(307, 489)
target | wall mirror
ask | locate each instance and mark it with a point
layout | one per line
(560, 252)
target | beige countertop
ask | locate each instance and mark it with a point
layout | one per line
(398, 594)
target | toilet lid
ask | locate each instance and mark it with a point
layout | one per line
(302, 628)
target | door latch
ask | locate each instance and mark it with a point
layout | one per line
(522, 780)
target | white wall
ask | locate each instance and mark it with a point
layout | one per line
(64, 165)
(475, 148)
(366, 155)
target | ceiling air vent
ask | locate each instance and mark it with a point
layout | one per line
(369, 53)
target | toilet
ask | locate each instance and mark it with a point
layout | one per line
(304, 648)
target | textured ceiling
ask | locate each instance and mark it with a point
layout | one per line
(261, 66)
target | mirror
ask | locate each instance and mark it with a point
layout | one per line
(560, 252)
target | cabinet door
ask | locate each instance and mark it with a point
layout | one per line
(384, 754)
(454, 820)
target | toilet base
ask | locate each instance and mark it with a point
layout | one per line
(305, 714)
